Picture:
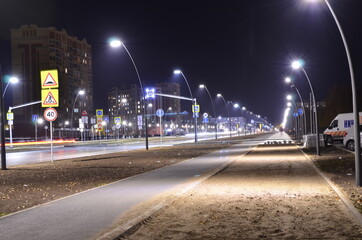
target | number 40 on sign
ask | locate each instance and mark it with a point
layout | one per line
(50, 114)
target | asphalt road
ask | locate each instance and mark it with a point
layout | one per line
(83, 215)
(42, 154)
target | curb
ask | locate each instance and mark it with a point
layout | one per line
(134, 224)
(348, 203)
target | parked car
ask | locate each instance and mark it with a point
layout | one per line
(339, 126)
(348, 139)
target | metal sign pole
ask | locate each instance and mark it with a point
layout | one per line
(11, 134)
(161, 129)
(51, 141)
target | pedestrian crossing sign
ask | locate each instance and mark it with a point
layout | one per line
(50, 98)
(49, 78)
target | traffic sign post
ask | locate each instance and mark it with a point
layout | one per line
(50, 114)
(10, 118)
(159, 114)
(195, 108)
(49, 78)
(50, 98)
(99, 112)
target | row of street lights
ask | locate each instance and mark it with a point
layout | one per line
(298, 65)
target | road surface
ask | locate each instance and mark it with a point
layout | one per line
(78, 150)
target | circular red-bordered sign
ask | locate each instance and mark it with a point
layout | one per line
(50, 114)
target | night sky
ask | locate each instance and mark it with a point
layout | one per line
(241, 49)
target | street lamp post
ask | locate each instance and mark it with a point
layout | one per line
(80, 92)
(180, 72)
(213, 107)
(2, 123)
(166, 113)
(227, 109)
(38, 121)
(241, 110)
(290, 98)
(117, 43)
(357, 151)
(354, 100)
(12, 80)
(298, 65)
(288, 80)
(294, 125)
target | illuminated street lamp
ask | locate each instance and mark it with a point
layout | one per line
(289, 80)
(115, 43)
(179, 72)
(220, 96)
(290, 98)
(298, 64)
(12, 80)
(166, 113)
(357, 139)
(241, 110)
(213, 106)
(80, 92)
(37, 122)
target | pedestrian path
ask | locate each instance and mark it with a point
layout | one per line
(273, 192)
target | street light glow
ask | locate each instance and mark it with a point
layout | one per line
(177, 71)
(289, 97)
(236, 105)
(289, 104)
(202, 86)
(81, 92)
(288, 79)
(14, 80)
(115, 43)
(219, 95)
(297, 64)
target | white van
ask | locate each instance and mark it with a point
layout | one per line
(338, 127)
(348, 140)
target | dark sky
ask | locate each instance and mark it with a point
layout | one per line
(241, 49)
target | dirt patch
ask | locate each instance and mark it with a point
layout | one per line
(271, 193)
(25, 186)
(339, 165)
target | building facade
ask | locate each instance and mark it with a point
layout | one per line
(126, 102)
(35, 49)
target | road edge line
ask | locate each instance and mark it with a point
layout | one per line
(348, 203)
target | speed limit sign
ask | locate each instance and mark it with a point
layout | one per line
(50, 114)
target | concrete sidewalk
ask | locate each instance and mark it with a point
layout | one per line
(274, 192)
(84, 215)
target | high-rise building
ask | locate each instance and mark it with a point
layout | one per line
(35, 49)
